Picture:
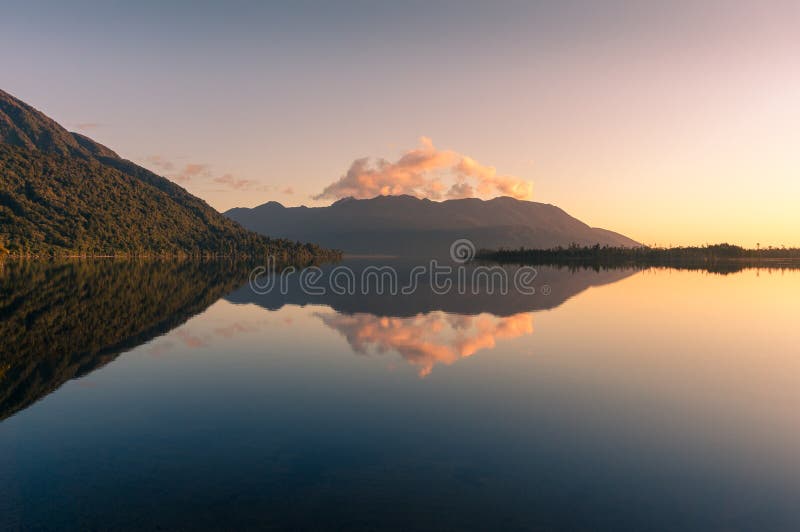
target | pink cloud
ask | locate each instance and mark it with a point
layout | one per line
(161, 163)
(186, 174)
(233, 182)
(425, 172)
(191, 171)
(194, 169)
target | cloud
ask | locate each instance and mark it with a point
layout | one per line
(425, 172)
(489, 182)
(461, 189)
(191, 171)
(287, 190)
(166, 167)
(187, 172)
(161, 163)
(88, 126)
(233, 182)
(427, 340)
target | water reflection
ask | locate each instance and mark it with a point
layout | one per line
(61, 321)
(427, 339)
(667, 401)
(427, 328)
(64, 320)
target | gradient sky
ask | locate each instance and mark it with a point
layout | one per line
(671, 122)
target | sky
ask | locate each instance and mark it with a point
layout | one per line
(671, 122)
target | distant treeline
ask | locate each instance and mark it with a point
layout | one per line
(719, 258)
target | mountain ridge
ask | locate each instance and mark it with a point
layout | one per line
(405, 224)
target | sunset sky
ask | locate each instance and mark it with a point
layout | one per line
(670, 122)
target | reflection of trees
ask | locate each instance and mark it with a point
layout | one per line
(428, 339)
(60, 321)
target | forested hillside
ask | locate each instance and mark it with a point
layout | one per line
(62, 194)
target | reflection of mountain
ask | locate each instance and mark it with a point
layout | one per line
(428, 339)
(61, 321)
(427, 328)
(560, 284)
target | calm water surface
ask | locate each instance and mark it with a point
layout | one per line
(139, 396)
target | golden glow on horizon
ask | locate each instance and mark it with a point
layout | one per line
(672, 123)
(639, 338)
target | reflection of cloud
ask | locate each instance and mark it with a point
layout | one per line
(161, 348)
(231, 330)
(428, 339)
(190, 340)
(424, 172)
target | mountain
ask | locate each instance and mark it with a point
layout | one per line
(63, 193)
(409, 226)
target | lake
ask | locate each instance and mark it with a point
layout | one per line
(174, 395)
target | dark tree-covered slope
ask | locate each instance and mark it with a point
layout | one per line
(63, 193)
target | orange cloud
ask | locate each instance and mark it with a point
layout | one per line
(430, 339)
(488, 181)
(425, 172)
(190, 171)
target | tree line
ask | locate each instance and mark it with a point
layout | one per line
(717, 257)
